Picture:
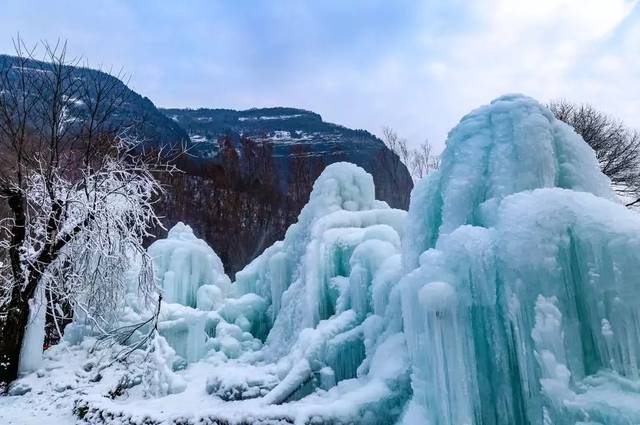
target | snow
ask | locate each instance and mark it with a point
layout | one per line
(198, 138)
(507, 294)
(270, 117)
(65, 374)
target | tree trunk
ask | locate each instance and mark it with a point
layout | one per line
(17, 309)
(14, 326)
(12, 336)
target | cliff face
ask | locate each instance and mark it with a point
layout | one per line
(298, 136)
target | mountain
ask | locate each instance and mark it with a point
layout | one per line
(134, 112)
(298, 134)
(250, 173)
(247, 173)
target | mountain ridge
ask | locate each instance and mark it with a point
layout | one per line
(242, 165)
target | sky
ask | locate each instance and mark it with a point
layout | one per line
(415, 66)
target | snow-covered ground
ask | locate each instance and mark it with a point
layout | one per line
(51, 390)
(507, 294)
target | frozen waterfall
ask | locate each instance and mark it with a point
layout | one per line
(508, 294)
(521, 302)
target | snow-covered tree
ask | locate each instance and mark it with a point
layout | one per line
(78, 195)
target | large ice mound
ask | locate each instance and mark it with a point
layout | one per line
(307, 277)
(332, 302)
(512, 145)
(509, 294)
(521, 301)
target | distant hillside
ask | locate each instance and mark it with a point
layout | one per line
(136, 113)
(297, 134)
(248, 173)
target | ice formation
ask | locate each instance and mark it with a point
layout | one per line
(508, 294)
(327, 285)
(305, 323)
(184, 265)
(31, 350)
(327, 261)
(521, 300)
(193, 285)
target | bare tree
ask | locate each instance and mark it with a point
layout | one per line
(617, 147)
(423, 160)
(394, 160)
(397, 144)
(419, 161)
(80, 194)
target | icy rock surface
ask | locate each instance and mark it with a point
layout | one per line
(521, 302)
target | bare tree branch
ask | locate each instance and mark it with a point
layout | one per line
(617, 147)
(79, 192)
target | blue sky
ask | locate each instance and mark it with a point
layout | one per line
(415, 66)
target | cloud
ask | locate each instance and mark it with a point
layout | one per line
(547, 49)
(416, 66)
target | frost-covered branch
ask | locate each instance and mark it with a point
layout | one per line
(79, 193)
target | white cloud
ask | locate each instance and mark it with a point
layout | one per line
(534, 46)
(416, 66)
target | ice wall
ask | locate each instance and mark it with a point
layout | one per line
(520, 304)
